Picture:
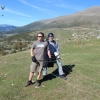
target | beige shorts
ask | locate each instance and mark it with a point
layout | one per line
(33, 66)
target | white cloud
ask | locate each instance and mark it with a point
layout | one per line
(68, 6)
(17, 13)
(36, 7)
(50, 1)
(8, 20)
(24, 2)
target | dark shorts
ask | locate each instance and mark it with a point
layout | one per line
(34, 66)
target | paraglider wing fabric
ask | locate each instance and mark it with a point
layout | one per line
(2, 7)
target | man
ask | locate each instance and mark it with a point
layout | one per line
(39, 51)
(54, 51)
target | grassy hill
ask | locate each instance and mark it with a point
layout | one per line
(83, 80)
(88, 18)
(62, 35)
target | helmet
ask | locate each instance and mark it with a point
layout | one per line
(50, 35)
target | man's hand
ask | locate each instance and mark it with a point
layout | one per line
(56, 54)
(34, 59)
(58, 57)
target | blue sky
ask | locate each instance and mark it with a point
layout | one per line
(23, 12)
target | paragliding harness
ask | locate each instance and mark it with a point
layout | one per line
(53, 58)
(51, 63)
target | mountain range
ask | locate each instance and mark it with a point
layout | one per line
(5, 28)
(88, 18)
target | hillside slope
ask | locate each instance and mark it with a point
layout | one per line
(83, 79)
(86, 18)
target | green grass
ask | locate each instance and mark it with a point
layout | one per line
(83, 83)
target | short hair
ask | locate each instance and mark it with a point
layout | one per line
(41, 33)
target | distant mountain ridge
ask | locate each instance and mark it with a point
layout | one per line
(6, 28)
(88, 18)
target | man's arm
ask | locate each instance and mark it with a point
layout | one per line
(57, 48)
(32, 52)
(32, 55)
(49, 54)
